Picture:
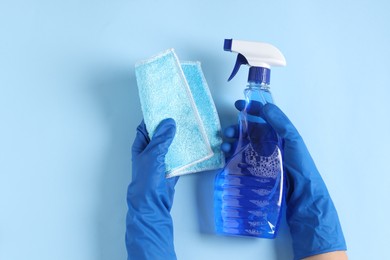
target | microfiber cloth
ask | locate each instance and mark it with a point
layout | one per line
(208, 114)
(164, 93)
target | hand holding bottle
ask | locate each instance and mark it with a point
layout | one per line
(311, 214)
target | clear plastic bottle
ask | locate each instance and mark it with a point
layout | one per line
(248, 193)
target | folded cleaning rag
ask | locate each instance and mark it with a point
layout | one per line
(168, 89)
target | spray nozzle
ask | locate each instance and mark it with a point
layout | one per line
(258, 55)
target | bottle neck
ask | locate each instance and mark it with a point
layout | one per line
(258, 92)
(258, 86)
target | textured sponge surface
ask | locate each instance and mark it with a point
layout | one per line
(165, 93)
(208, 114)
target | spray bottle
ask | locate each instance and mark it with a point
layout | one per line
(249, 192)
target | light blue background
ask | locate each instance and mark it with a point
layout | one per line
(69, 109)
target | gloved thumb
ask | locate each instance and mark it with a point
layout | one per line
(280, 122)
(163, 137)
(141, 140)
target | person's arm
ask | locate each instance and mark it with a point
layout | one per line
(336, 255)
(149, 228)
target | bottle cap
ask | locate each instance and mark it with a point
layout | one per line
(258, 55)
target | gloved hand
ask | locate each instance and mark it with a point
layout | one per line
(311, 215)
(149, 233)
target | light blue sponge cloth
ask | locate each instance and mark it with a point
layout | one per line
(168, 90)
(208, 114)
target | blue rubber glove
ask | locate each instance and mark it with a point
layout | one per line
(314, 225)
(149, 233)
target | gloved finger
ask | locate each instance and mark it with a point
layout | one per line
(163, 138)
(226, 147)
(253, 107)
(240, 104)
(280, 122)
(141, 139)
(229, 147)
(231, 131)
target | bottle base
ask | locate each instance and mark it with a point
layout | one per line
(246, 233)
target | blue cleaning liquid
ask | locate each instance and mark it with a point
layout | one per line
(249, 191)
